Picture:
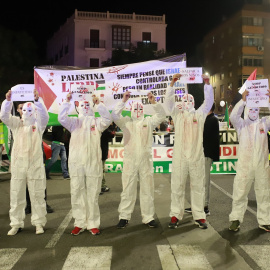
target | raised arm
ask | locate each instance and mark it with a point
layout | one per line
(5, 115)
(42, 113)
(105, 118)
(208, 96)
(170, 95)
(159, 115)
(117, 117)
(237, 111)
(68, 122)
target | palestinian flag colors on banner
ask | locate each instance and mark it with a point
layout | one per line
(54, 83)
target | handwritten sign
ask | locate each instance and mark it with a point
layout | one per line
(257, 93)
(82, 92)
(191, 75)
(22, 92)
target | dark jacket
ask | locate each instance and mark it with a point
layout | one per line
(106, 136)
(211, 137)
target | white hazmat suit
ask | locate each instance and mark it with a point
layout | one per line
(252, 164)
(27, 167)
(85, 164)
(188, 156)
(138, 163)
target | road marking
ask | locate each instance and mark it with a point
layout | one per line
(90, 258)
(9, 257)
(57, 235)
(230, 196)
(259, 253)
(182, 257)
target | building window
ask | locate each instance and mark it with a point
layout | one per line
(146, 37)
(222, 91)
(214, 90)
(94, 62)
(94, 38)
(254, 21)
(221, 76)
(252, 40)
(121, 36)
(252, 61)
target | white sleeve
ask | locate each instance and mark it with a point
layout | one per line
(105, 118)
(170, 100)
(43, 116)
(70, 123)
(236, 113)
(159, 115)
(208, 99)
(10, 121)
(117, 117)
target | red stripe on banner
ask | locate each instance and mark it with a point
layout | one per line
(44, 90)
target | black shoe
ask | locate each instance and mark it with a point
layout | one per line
(28, 210)
(201, 223)
(152, 224)
(174, 222)
(206, 211)
(122, 223)
(101, 193)
(48, 177)
(105, 189)
(67, 177)
(188, 210)
(49, 209)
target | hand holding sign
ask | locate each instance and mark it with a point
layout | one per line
(175, 77)
(69, 97)
(151, 98)
(36, 95)
(95, 100)
(8, 95)
(257, 93)
(205, 78)
(23, 92)
(126, 96)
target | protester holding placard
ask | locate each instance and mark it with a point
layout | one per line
(252, 164)
(138, 163)
(85, 164)
(188, 154)
(27, 167)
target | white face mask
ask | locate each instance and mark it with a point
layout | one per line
(253, 113)
(137, 110)
(84, 108)
(188, 102)
(29, 112)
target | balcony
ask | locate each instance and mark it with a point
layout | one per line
(99, 44)
(152, 45)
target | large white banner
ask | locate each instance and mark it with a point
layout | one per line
(54, 83)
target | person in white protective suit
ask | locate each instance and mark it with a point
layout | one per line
(85, 164)
(27, 167)
(138, 163)
(252, 164)
(188, 155)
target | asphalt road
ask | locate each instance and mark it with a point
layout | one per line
(136, 246)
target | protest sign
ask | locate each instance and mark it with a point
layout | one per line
(257, 93)
(110, 83)
(82, 92)
(22, 92)
(191, 75)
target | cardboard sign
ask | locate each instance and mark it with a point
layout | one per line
(191, 75)
(82, 92)
(22, 92)
(257, 93)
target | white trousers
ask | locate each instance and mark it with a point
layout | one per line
(180, 171)
(84, 201)
(36, 189)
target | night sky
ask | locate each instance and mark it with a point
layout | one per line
(187, 21)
